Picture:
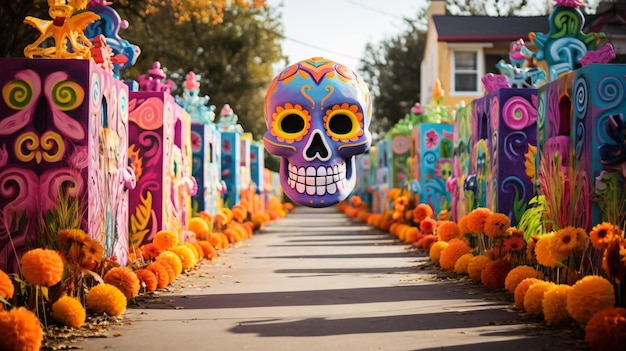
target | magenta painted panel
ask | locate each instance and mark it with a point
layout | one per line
(63, 125)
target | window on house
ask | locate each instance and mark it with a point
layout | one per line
(465, 71)
(491, 60)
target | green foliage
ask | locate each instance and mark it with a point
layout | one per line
(235, 60)
(391, 69)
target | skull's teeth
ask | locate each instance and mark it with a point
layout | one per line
(317, 181)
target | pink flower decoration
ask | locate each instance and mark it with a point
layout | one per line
(432, 139)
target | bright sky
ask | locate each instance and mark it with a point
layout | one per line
(340, 29)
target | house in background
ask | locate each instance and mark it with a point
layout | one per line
(460, 50)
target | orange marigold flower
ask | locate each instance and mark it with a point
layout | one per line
(91, 253)
(163, 278)
(494, 274)
(476, 265)
(514, 243)
(606, 330)
(356, 201)
(165, 239)
(69, 236)
(7, 289)
(421, 212)
(564, 242)
(463, 229)
(69, 311)
(601, 235)
(411, 235)
(589, 295)
(496, 224)
(530, 248)
(516, 232)
(106, 298)
(520, 291)
(148, 279)
(460, 266)
(448, 230)
(554, 305)
(426, 241)
(533, 298)
(428, 225)
(124, 279)
(173, 260)
(476, 220)
(20, 329)
(198, 225)
(149, 251)
(187, 258)
(208, 249)
(393, 193)
(455, 249)
(435, 250)
(612, 259)
(582, 239)
(42, 267)
(517, 274)
(544, 255)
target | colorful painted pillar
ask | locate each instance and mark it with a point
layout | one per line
(399, 149)
(462, 197)
(205, 143)
(382, 182)
(433, 163)
(505, 179)
(63, 143)
(581, 116)
(155, 154)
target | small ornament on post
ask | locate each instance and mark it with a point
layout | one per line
(65, 29)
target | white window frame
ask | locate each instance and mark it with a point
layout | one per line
(478, 48)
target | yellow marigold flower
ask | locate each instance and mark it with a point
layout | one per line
(124, 279)
(520, 291)
(447, 230)
(194, 250)
(69, 236)
(163, 279)
(606, 330)
(20, 330)
(148, 279)
(7, 289)
(173, 260)
(564, 243)
(517, 274)
(435, 250)
(554, 305)
(169, 270)
(476, 220)
(199, 226)
(494, 274)
(106, 298)
(42, 267)
(476, 265)
(450, 254)
(545, 257)
(589, 295)
(496, 225)
(165, 239)
(187, 258)
(602, 234)
(460, 266)
(533, 298)
(69, 311)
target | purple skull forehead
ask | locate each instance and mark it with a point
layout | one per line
(317, 114)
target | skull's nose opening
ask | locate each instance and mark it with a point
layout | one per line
(317, 146)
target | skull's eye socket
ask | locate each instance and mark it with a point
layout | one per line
(340, 124)
(344, 122)
(291, 123)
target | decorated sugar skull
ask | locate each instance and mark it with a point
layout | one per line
(317, 113)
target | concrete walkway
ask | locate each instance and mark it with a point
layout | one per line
(318, 280)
